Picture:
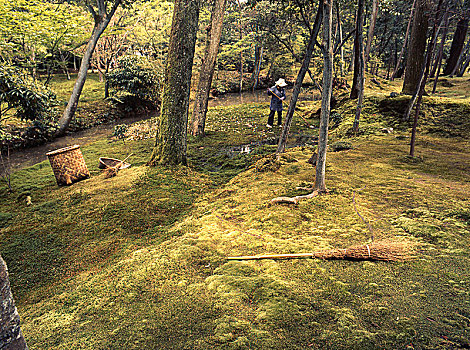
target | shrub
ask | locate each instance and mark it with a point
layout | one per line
(24, 99)
(135, 83)
(341, 146)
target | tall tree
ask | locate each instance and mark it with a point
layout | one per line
(360, 68)
(101, 16)
(207, 70)
(170, 145)
(415, 58)
(370, 35)
(340, 40)
(358, 50)
(436, 69)
(327, 49)
(418, 95)
(458, 40)
(300, 77)
(11, 337)
(405, 42)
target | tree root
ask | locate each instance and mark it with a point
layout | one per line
(297, 199)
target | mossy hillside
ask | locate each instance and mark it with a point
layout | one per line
(182, 294)
(137, 261)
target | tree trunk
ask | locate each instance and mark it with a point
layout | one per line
(11, 337)
(206, 75)
(257, 69)
(464, 66)
(437, 64)
(360, 72)
(340, 30)
(358, 50)
(326, 96)
(417, 48)
(461, 60)
(457, 46)
(424, 77)
(370, 35)
(72, 105)
(101, 22)
(300, 77)
(405, 42)
(170, 145)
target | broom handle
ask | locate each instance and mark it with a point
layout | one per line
(118, 164)
(122, 161)
(274, 256)
(275, 94)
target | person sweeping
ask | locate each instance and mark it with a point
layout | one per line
(278, 95)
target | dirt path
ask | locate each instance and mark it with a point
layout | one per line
(27, 157)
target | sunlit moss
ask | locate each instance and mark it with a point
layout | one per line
(137, 261)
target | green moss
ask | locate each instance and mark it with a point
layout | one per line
(137, 261)
(4, 219)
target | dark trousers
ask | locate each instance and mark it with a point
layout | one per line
(271, 117)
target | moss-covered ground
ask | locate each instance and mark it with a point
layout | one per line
(137, 261)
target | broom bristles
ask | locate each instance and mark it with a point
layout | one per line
(380, 251)
(111, 171)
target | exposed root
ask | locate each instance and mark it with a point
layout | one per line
(297, 199)
(379, 251)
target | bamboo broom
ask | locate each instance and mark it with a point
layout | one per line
(111, 171)
(380, 251)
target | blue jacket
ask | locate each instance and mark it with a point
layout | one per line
(276, 103)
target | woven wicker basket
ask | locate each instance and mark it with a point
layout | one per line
(68, 165)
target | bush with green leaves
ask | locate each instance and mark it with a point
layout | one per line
(135, 83)
(22, 98)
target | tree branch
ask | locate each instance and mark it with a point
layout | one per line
(338, 47)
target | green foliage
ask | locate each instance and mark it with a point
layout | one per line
(136, 82)
(4, 219)
(34, 33)
(120, 130)
(341, 146)
(29, 102)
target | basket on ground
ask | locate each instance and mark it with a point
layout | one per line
(68, 165)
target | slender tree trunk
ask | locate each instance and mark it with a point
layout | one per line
(326, 96)
(102, 19)
(405, 42)
(360, 72)
(464, 66)
(259, 60)
(72, 105)
(457, 45)
(300, 77)
(417, 96)
(461, 60)
(417, 48)
(11, 337)
(198, 121)
(358, 50)
(370, 35)
(424, 77)
(341, 53)
(437, 69)
(171, 140)
(271, 66)
(241, 39)
(438, 61)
